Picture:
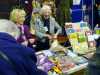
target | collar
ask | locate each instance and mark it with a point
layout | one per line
(7, 37)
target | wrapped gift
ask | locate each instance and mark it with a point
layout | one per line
(97, 31)
(90, 38)
(73, 36)
(75, 58)
(81, 37)
(68, 25)
(76, 26)
(66, 63)
(88, 33)
(81, 48)
(44, 63)
(83, 24)
(74, 42)
(69, 31)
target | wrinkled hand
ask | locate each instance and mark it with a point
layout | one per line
(32, 40)
(25, 43)
(49, 36)
(54, 36)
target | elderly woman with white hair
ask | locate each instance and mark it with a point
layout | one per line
(46, 27)
(15, 59)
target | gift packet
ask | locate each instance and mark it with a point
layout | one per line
(97, 31)
(68, 25)
(76, 26)
(48, 63)
(66, 63)
(57, 67)
(63, 62)
(74, 41)
(84, 26)
(82, 49)
(44, 63)
(88, 33)
(69, 31)
(55, 46)
(75, 58)
(91, 39)
(81, 37)
(73, 36)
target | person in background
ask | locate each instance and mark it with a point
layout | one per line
(15, 59)
(63, 13)
(96, 12)
(94, 62)
(46, 28)
(50, 3)
(27, 6)
(35, 14)
(25, 38)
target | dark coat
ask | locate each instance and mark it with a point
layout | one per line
(22, 59)
(94, 62)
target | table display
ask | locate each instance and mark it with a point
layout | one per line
(60, 62)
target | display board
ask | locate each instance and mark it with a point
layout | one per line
(80, 37)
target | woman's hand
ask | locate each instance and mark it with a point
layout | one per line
(25, 43)
(49, 36)
(54, 36)
(32, 40)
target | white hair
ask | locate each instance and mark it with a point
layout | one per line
(9, 27)
(44, 9)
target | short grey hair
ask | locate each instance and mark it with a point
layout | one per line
(9, 27)
(44, 9)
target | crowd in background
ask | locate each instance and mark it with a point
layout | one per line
(38, 21)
